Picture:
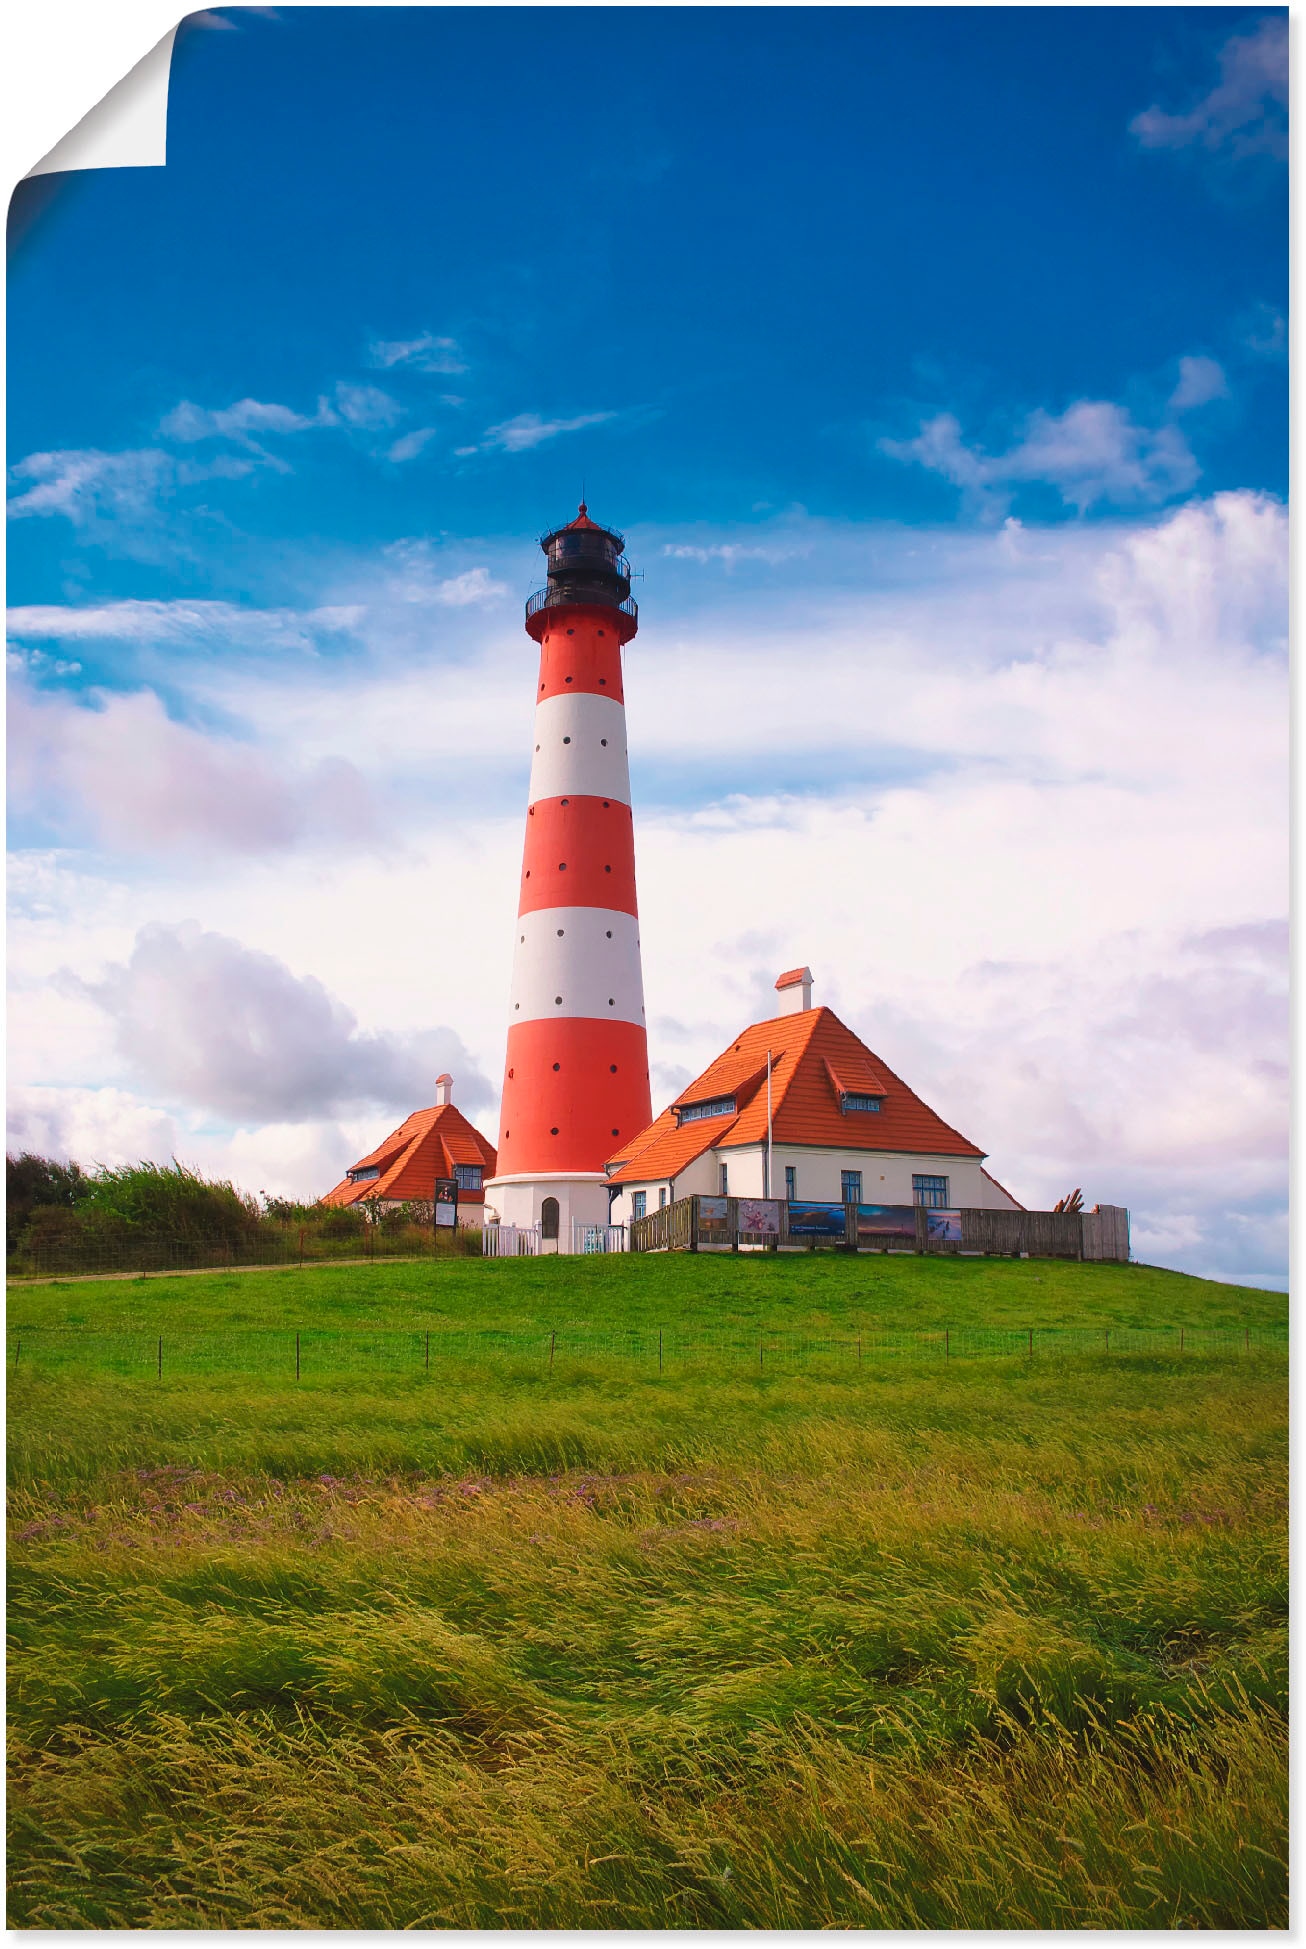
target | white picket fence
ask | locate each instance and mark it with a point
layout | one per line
(510, 1241)
(597, 1238)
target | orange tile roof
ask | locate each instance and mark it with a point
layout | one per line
(425, 1147)
(814, 1057)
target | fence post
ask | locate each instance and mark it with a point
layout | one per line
(859, 1346)
(1107, 1331)
(947, 1343)
(1031, 1343)
(1181, 1339)
(1247, 1340)
(160, 1356)
(296, 1356)
(553, 1340)
(301, 1245)
(659, 1350)
(428, 1353)
(759, 1356)
(18, 1350)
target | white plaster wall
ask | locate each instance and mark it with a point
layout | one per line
(588, 955)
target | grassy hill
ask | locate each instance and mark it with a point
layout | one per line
(908, 1640)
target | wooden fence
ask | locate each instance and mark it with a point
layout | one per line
(1099, 1234)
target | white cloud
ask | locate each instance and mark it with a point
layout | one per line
(474, 585)
(409, 445)
(1245, 114)
(1265, 331)
(528, 430)
(89, 1126)
(81, 485)
(366, 406)
(426, 353)
(189, 422)
(119, 772)
(212, 626)
(1095, 452)
(1200, 380)
(731, 553)
(222, 1028)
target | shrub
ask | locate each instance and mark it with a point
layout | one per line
(32, 1182)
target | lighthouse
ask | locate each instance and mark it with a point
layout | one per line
(576, 1077)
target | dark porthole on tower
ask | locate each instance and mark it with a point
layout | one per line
(569, 680)
(616, 1133)
(554, 1131)
(612, 1066)
(609, 934)
(558, 1000)
(568, 740)
(571, 632)
(557, 1065)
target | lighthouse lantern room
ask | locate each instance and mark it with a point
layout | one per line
(576, 1079)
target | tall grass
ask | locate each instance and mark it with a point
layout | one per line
(921, 1645)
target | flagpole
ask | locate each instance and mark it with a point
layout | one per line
(768, 1123)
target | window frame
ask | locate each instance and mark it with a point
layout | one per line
(791, 1182)
(711, 1106)
(929, 1191)
(850, 1183)
(474, 1182)
(639, 1204)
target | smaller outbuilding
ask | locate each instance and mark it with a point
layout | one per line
(799, 1108)
(431, 1144)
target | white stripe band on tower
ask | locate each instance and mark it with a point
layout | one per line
(580, 747)
(576, 961)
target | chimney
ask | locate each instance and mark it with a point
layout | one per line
(443, 1091)
(795, 991)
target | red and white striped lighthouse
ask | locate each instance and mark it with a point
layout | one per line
(576, 1075)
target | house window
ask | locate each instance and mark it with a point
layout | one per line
(791, 1181)
(725, 1181)
(717, 1106)
(469, 1177)
(365, 1177)
(638, 1203)
(662, 1196)
(930, 1192)
(851, 1101)
(852, 1187)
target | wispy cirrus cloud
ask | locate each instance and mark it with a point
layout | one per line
(86, 486)
(527, 430)
(1094, 453)
(246, 417)
(1245, 114)
(409, 445)
(211, 626)
(425, 353)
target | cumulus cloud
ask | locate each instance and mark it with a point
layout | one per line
(1200, 381)
(1093, 453)
(117, 770)
(209, 1023)
(89, 1126)
(1245, 113)
(527, 430)
(425, 353)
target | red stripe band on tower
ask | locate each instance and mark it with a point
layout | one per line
(572, 1090)
(580, 852)
(580, 650)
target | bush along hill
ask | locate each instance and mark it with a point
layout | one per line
(144, 1216)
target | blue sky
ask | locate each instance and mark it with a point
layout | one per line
(933, 361)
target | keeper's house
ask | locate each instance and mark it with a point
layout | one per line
(844, 1129)
(431, 1144)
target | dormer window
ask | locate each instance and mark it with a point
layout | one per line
(469, 1177)
(365, 1176)
(851, 1100)
(715, 1106)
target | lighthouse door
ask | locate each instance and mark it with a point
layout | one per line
(549, 1224)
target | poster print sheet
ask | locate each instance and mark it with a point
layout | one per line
(816, 1221)
(943, 1227)
(887, 1224)
(713, 1214)
(759, 1217)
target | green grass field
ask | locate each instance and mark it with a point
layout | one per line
(911, 1640)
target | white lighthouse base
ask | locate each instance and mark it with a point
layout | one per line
(582, 1199)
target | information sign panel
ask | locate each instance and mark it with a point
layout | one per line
(446, 1202)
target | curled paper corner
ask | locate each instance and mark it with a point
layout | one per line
(128, 129)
